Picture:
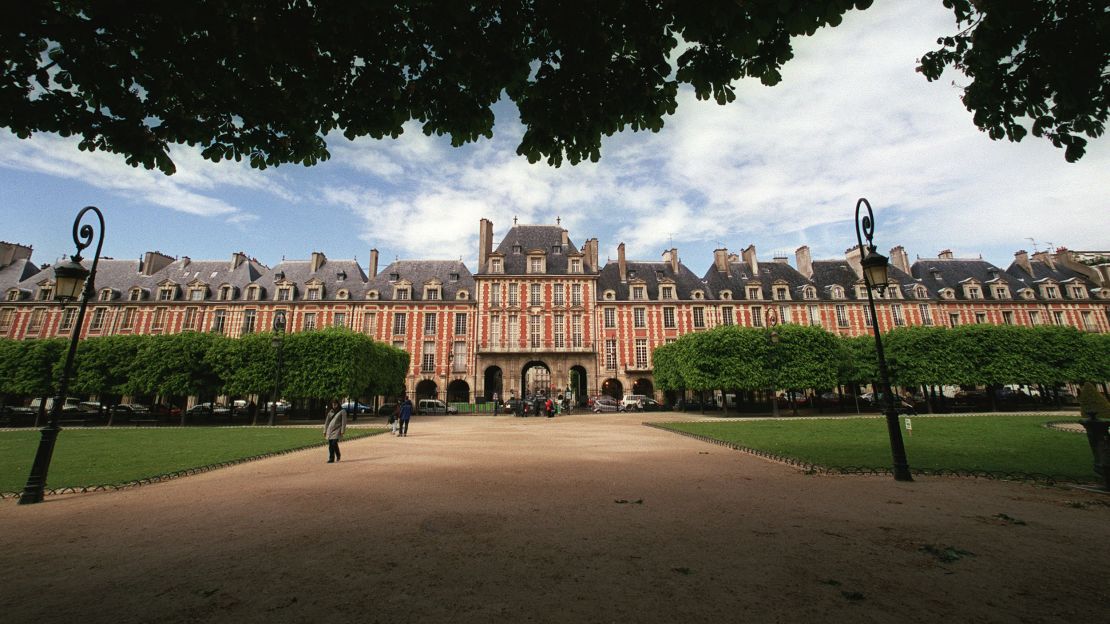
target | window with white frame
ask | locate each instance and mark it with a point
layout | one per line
(428, 357)
(558, 331)
(46, 293)
(127, 318)
(1078, 292)
(576, 331)
(641, 353)
(430, 323)
(225, 293)
(535, 328)
(535, 264)
(309, 321)
(496, 266)
(69, 315)
(514, 294)
(1050, 292)
(250, 320)
(896, 312)
(432, 293)
(699, 318)
(534, 295)
(638, 318)
(513, 330)
(158, 320)
(1058, 316)
(728, 316)
(809, 292)
(166, 293)
(1008, 317)
(926, 314)
(841, 316)
(638, 293)
(402, 293)
(495, 295)
(136, 294)
(558, 294)
(668, 318)
(610, 354)
(814, 314)
(953, 319)
(219, 319)
(458, 363)
(105, 295)
(755, 292)
(460, 323)
(757, 316)
(610, 318)
(980, 318)
(782, 293)
(6, 316)
(495, 330)
(35, 324)
(1034, 317)
(339, 319)
(575, 265)
(370, 323)
(97, 322)
(1089, 321)
(400, 320)
(1001, 292)
(666, 292)
(867, 320)
(784, 314)
(576, 294)
(285, 293)
(196, 294)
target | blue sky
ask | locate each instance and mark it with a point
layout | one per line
(780, 167)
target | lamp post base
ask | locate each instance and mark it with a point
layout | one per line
(36, 483)
(898, 448)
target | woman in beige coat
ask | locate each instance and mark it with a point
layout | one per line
(335, 425)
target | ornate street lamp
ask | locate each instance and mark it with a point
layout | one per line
(875, 276)
(771, 319)
(278, 342)
(69, 279)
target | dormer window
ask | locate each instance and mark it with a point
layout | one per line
(837, 292)
(973, 292)
(196, 294)
(809, 292)
(1001, 292)
(861, 292)
(610, 295)
(136, 294)
(631, 273)
(947, 293)
(920, 292)
(535, 264)
(556, 249)
(105, 295)
(575, 265)
(341, 276)
(666, 292)
(517, 248)
(782, 293)
(166, 293)
(755, 292)
(13, 295)
(697, 294)
(252, 293)
(285, 293)
(454, 277)
(372, 295)
(1050, 292)
(726, 295)
(343, 294)
(431, 293)
(46, 293)
(226, 293)
(638, 293)
(393, 277)
(313, 293)
(496, 266)
(402, 293)
(462, 295)
(1027, 293)
(1078, 292)
(280, 275)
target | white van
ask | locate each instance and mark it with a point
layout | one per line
(434, 406)
(633, 401)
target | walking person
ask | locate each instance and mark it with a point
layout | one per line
(496, 404)
(335, 425)
(394, 417)
(404, 414)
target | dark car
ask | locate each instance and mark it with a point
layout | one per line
(131, 409)
(208, 409)
(165, 410)
(651, 405)
(516, 407)
(387, 409)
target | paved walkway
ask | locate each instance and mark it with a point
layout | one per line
(583, 518)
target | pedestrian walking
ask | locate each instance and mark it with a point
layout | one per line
(496, 404)
(335, 425)
(404, 413)
(549, 407)
(394, 417)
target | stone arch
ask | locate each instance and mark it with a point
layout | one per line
(613, 387)
(427, 389)
(494, 383)
(458, 391)
(644, 386)
(535, 377)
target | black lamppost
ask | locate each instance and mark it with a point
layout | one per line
(771, 320)
(69, 278)
(874, 267)
(278, 341)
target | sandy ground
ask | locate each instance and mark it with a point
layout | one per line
(581, 518)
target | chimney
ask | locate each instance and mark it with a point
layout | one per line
(373, 263)
(622, 268)
(750, 260)
(237, 258)
(674, 260)
(720, 260)
(485, 243)
(1021, 258)
(945, 254)
(1045, 257)
(564, 239)
(733, 258)
(154, 261)
(852, 256)
(10, 252)
(804, 261)
(900, 259)
(589, 253)
(780, 259)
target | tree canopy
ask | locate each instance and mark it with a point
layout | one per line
(267, 82)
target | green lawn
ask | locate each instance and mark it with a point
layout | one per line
(992, 443)
(84, 457)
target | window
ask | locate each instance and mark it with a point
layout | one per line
(458, 363)
(190, 321)
(13, 295)
(136, 294)
(105, 295)
(225, 293)
(728, 316)
(1058, 317)
(399, 321)
(252, 293)
(784, 314)
(1078, 292)
(6, 316)
(867, 320)
(926, 314)
(402, 294)
(309, 321)
(35, 324)
(534, 295)
(369, 323)
(610, 354)
(638, 293)
(575, 265)
(97, 322)
(534, 330)
(667, 292)
(495, 295)
(641, 353)
(250, 318)
(535, 265)
(1034, 317)
(610, 319)
(755, 292)
(428, 358)
(430, 324)
(46, 293)
(514, 330)
(285, 294)
(495, 330)
(1001, 292)
(974, 293)
(165, 294)
(842, 316)
(196, 294)
(556, 249)
(158, 321)
(576, 331)
(1089, 321)
(514, 294)
(809, 292)
(757, 316)
(781, 293)
(638, 317)
(953, 319)
(576, 294)
(460, 323)
(68, 316)
(339, 319)
(127, 321)
(668, 318)
(558, 294)
(432, 294)
(896, 312)
(814, 314)
(1050, 292)
(699, 318)
(837, 292)
(726, 294)
(496, 266)
(220, 317)
(558, 330)
(1007, 317)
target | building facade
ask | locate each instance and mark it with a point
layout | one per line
(541, 314)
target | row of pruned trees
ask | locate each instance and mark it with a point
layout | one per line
(809, 358)
(329, 363)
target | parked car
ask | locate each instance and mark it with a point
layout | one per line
(89, 407)
(651, 405)
(517, 407)
(606, 404)
(385, 409)
(354, 407)
(282, 406)
(68, 407)
(435, 406)
(208, 409)
(633, 401)
(131, 408)
(159, 409)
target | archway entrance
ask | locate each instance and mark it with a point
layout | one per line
(613, 388)
(577, 383)
(427, 389)
(458, 391)
(535, 378)
(644, 387)
(493, 384)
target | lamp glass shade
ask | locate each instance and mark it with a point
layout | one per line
(69, 278)
(875, 271)
(279, 322)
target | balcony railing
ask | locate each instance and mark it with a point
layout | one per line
(528, 346)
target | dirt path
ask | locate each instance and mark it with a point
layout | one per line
(575, 519)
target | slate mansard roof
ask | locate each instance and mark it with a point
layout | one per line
(651, 275)
(451, 276)
(522, 239)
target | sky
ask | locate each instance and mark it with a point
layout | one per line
(779, 168)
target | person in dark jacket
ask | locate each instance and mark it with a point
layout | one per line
(404, 413)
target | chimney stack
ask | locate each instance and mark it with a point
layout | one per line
(622, 267)
(804, 261)
(750, 260)
(589, 251)
(154, 261)
(674, 260)
(10, 252)
(720, 260)
(852, 256)
(237, 258)
(373, 263)
(485, 243)
(1021, 258)
(900, 259)
(318, 260)
(1045, 257)
(564, 239)
(945, 254)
